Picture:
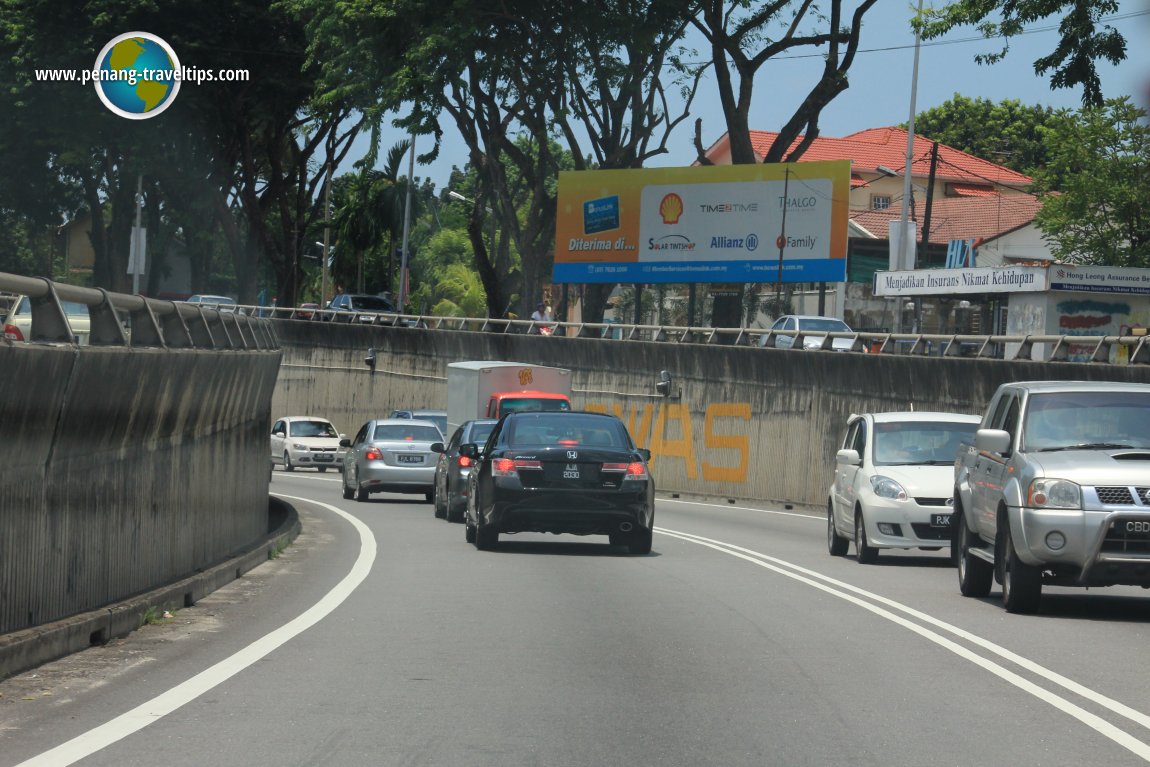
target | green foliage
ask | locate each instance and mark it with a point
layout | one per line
(1006, 133)
(1100, 162)
(1083, 37)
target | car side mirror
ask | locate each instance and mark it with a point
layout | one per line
(278, 434)
(644, 453)
(848, 457)
(342, 437)
(437, 447)
(470, 450)
(344, 442)
(992, 440)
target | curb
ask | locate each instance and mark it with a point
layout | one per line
(26, 649)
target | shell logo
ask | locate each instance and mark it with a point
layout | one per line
(671, 208)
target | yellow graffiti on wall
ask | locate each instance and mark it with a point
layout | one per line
(666, 429)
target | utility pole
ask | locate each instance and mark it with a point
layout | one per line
(406, 228)
(926, 227)
(782, 243)
(906, 252)
(326, 236)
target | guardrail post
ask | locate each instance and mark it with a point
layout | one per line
(104, 326)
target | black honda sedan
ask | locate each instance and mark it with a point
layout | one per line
(560, 472)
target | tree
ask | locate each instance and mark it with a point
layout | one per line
(1007, 133)
(1101, 162)
(744, 36)
(1083, 38)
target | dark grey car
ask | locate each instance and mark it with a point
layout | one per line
(453, 470)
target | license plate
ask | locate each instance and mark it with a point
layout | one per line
(940, 520)
(410, 458)
(323, 457)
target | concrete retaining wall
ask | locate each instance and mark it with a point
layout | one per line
(125, 468)
(752, 423)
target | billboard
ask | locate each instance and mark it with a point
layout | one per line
(718, 223)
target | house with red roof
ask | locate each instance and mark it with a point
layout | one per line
(970, 200)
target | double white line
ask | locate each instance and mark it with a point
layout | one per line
(933, 629)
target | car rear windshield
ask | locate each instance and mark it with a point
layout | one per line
(312, 429)
(370, 303)
(567, 430)
(526, 404)
(830, 326)
(1059, 420)
(919, 442)
(480, 432)
(404, 432)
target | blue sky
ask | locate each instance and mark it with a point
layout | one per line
(881, 82)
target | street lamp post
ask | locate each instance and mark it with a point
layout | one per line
(490, 214)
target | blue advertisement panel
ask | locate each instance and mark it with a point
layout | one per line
(733, 223)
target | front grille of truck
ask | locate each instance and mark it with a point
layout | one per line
(1115, 496)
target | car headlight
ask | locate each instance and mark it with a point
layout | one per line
(299, 446)
(1054, 494)
(885, 487)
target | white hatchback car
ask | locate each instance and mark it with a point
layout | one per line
(306, 442)
(894, 482)
(812, 329)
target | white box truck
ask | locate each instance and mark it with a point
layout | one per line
(488, 389)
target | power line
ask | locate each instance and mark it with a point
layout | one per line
(937, 43)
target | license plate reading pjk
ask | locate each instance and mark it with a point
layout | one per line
(940, 520)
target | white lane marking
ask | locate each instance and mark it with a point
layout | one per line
(744, 508)
(1052, 676)
(1119, 736)
(160, 706)
(318, 476)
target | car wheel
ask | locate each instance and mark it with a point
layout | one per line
(361, 493)
(348, 493)
(321, 469)
(866, 554)
(618, 539)
(640, 542)
(1021, 583)
(429, 497)
(287, 462)
(452, 512)
(837, 544)
(974, 574)
(440, 508)
(468, 531)
(486, 538)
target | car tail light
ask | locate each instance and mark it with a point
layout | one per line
(464, 462)
(507, 467)
(633, 470)
(373, 454)
(12, 333)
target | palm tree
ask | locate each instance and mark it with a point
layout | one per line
(370, 216)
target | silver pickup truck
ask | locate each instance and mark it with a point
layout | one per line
(1055, 490)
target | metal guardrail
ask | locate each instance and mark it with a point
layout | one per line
(1063, 348)
(119, 319)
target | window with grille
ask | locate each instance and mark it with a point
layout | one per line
(879, 201)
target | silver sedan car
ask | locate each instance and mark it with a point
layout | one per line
(392, 455)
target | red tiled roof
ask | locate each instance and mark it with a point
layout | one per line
(857, 181)
(958, 218)
(868, 149)
(971, 190)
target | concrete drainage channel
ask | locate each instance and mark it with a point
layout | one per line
(26, 649)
